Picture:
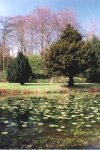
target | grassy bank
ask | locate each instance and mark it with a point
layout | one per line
(30, 86)
(45, 86)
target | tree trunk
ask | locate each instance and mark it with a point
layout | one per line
(71, 81)
(3, 58)
(3, 65)
(22, 83)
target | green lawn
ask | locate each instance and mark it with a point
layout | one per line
(31, 86)
(45, 86)
(50, 90)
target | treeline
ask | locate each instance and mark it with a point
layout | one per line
(32, 33)
(69, 56)
(38, 31)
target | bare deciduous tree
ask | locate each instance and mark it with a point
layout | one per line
(42, 24)
(39, 29)
(63, 18)
(5, 30)
(19, 28)
(47, 25)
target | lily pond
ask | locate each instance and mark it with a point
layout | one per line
(72, 121)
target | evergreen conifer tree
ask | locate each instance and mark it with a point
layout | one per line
(65, 55)
(19, 69)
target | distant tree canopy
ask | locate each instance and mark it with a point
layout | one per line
(69, 55)
(34, 31)
(92, 73)
(19, 69)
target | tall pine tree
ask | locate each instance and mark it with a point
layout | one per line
(65, 56)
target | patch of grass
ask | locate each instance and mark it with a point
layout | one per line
(45, 86)
(31, 86)
(46, 90)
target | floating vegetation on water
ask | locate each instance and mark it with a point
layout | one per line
(93, 121)
(35, 119)
(88, 125)
(74, 123)
(62, 127)
(4, 133)
(24, 125)
(40, 124)
(52, 125)
(59, 130)
(6, 121)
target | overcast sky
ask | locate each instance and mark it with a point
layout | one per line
(86, 10)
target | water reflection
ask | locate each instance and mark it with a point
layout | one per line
(35, 122)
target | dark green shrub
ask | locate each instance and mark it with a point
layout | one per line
(19, 69)
(92, 73)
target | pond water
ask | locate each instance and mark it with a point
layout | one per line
(40, 122)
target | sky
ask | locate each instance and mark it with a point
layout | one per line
(87, 11)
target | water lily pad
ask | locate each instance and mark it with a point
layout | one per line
(88, 125)
(52, 125)
(73, 116)
(61, 117)
(81, 114)
(29, 146)
(62, 113)
(2, 107)
(68, 118)
(93, 121)
(4, 133)
(13, 124)
(62, 127)
(95, 111)
(98, 118)
(56, 125)
(6, 121)
(59, 130)
(87, 117)
(21, 121)
(74, 123)
(40, 124)
(24, 125)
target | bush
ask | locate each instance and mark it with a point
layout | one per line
(92, 75)
(19, 69)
